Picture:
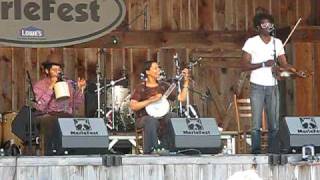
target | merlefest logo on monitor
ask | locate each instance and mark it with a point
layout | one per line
(309, 126)
(51, 23)
(83, 127)
(195, 127)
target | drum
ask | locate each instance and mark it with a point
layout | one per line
(120, 93)
(7, 130)
(61, 90)
(123, 118)
(126, 114)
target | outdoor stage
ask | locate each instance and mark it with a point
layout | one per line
(143, 167)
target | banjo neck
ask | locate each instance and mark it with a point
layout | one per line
(171, 88)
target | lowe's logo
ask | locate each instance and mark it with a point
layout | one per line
(31, 32)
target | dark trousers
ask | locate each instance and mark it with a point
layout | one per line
(49, 132)
(157, 129)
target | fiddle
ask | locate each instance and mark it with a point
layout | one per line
(284, 73)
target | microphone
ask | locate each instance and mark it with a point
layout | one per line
(271, 28)
(61, 76)
(33, 98)
(208, 92)
(194, 62)
(145, 17)
(143, 77)
(162, 75)
(176, 60)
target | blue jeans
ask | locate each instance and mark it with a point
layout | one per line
(264, 97)
(151, 136)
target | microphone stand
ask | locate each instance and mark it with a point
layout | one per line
(176, 62)
(31, 98)
(74, 86)
(277, 110)
(191, 64)
(98, 72)
(205, 97)
(112, 84)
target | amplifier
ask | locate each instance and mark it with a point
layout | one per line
(196, 133)
(296, 132)
(83, 136)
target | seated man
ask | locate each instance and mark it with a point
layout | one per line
(146, 93)
(50, 107)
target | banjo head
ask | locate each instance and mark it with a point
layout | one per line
(159, 108)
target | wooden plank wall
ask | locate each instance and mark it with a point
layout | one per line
(165, 15)
(306, 99)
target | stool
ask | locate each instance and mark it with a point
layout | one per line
(139, 141)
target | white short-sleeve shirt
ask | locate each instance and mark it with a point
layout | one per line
(262, 52)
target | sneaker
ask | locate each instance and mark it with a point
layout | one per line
(160, 150)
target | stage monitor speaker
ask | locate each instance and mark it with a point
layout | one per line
(20, 124)
(296, 132)
(196, 133)
(82, 136)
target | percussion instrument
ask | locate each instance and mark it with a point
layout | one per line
(8, 135)
(120, 93)
(123, 118)
(61, 90)
(126, 114)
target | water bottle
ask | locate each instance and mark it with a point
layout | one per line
(1, 152)
(53, 149)
(224, 150)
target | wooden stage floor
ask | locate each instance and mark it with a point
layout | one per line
(153, 167)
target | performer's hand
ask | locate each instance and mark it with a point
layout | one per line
(81, 84)
(288, 68)
(53, 81)
(269, 63)
(185, 73)
(291, 69)
(155, 98)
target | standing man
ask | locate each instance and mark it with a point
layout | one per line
(148, 92)
(262, 54)
(51, 108)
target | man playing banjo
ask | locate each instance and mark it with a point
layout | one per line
(149, 93)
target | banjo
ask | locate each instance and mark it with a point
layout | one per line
(160, 108)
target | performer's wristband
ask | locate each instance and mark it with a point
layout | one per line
(263, 65)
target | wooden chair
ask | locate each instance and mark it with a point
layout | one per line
(243, 120)
(139, 141)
